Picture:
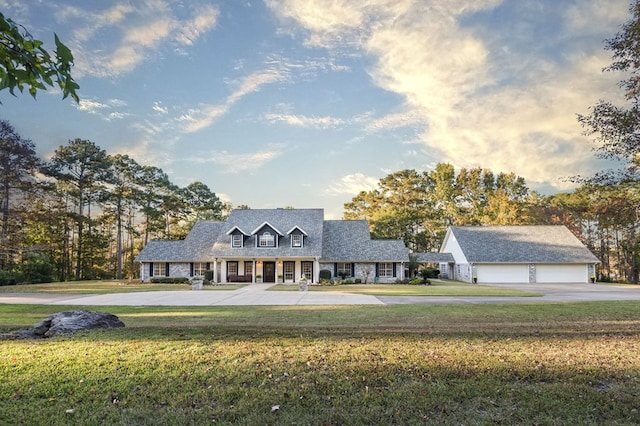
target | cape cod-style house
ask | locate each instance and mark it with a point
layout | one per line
(273, 245)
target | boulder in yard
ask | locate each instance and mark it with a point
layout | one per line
(66, 323)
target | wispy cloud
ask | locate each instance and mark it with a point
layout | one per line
(144, 29)
(304, 121)
(198, 119)
(234, 162)
(103, 109)
(352, 185)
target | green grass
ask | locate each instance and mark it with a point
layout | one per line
(104, 287)
(437, 288)
(528, 363)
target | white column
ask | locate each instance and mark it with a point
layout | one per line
(223, 268)
(215, 271)
(316, 271)
(253, 278)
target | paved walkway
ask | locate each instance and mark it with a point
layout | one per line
(256, 295)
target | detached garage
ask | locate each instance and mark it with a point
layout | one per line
(518, 254)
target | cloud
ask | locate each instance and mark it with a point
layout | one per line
(159, 108)
(479, 95)
(352, 185)
(206, 115)
(105, 110)
(91, 106)
(304, 121)
(141, 30)
(240, 162)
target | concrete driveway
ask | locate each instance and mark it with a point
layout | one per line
(558, 292)
(256, 295)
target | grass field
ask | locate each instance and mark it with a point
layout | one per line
(430, 364)
(438, 288)
(104, 287)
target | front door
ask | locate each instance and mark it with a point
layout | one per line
(269, 272)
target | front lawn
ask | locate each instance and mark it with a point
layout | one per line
(104, 287)
(437, 288)
(480, 364)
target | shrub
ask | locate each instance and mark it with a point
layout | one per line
(429, 273)
(37, 268)
(170, 280)
(8, 277)
(416, 281)
(325, 274)
(347, 281)
(208, 275)
(358, 281)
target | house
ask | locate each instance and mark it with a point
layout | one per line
(516, 254)
(273, 245)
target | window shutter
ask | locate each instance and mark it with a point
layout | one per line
(394, 269)
(335, 269)
(377, 270)
(208, 266)
(353, 269)
(166, 269)
(191, 269)
(150, 269)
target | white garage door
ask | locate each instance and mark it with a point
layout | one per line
(503, 273)
(561, 273)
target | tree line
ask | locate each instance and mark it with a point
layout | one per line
(85, 214)
(418, 207)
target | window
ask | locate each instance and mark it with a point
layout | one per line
(307, 270)
(232, 268)
(344, 269)
(236, 240)
(385, 270)
(199, 268)
(289, 270)
(267, 240)
(159, 269)
(296, 240)
(248, 268)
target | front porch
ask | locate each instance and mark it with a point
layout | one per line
(265, 270)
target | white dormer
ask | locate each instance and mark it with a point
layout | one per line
(297, 236)
(267, 235)
(237, 236)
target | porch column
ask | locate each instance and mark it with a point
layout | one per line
(253, 278)
(223, 275)
(215, 271)
(316, 271)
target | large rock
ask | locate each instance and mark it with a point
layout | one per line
(66, 323)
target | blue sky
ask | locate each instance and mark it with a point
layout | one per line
(305, 103)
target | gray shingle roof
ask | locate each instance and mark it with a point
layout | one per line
(350, 241)
(435, 257)
(310, 220)
(195, 248)
(333, 241)
(521, 244)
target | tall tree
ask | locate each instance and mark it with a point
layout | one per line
(123, 194)
(84, 167)
(616, 128)
(18, 165)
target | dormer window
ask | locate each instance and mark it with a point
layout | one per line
(296, 240)
(236, 240)
(267, 240)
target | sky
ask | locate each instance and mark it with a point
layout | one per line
(305, 103)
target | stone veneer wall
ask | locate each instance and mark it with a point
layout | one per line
(360, 270)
